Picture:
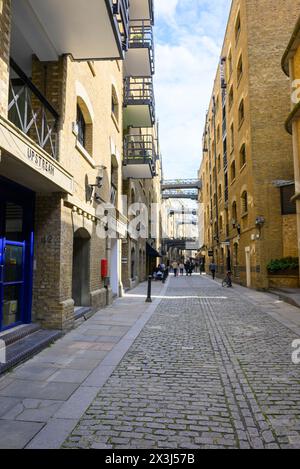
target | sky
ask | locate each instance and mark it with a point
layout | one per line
(188, 40)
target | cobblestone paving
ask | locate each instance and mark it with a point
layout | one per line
(210, 370)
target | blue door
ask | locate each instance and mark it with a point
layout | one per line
(16, 255)
(12, 283)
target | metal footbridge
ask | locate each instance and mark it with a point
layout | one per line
(181, 189)
(182, 243)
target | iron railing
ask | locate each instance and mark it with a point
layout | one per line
(120, 10)
(139, 149)
(181, 184)
(226, 194)
(141, 36)
(225, 162)
(140, 91)
(29, 110)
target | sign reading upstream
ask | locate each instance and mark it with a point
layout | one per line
(40, 162)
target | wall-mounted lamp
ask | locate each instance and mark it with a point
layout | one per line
(260, 221)
(99, 177)
(98, 184)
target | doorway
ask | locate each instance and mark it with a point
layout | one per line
(114, 267)
(81, 268)
(16, 254)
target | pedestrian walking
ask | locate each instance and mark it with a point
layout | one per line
(181, 268)
(175, 268)
(213, 269)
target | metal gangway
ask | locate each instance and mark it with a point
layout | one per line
(180, 194)
(181, 189)
(181, 184)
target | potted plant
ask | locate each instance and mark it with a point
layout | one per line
(284, 272)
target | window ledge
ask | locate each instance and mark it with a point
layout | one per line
(237, 36)
(241, 123)
(244, 215)
(296, 197)
(239, 80)
(115, 122)
(243, 167)
(85, 154)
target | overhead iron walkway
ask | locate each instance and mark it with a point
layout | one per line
(181, 189)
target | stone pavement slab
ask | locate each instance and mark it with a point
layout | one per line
(15, 435)
(46, 396)
(33, 410)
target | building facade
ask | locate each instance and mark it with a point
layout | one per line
(61, 170)
(247, 155)
(291, 67)
(142, 161)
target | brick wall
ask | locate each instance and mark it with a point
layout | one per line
(5, 22)
(265, 30)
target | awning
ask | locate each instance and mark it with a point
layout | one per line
(151, 252)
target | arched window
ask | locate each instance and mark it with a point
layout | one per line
(241, 112)
(84, 126)
(234, 213)
(220, 191)
(133, 263)
(238, 27)
(221, 223)
(233, 171)
(236, 254)
(243, 156)
(244, 202)
(232, 137)
(229, 64)
(240, 68)
(81, 127)
(114, 104)
(218, 133)
(230, 97)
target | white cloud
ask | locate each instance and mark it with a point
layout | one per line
(189, 39)
(166, 8)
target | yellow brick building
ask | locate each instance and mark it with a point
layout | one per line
(62, 122)
(247, 159)
(291, 67)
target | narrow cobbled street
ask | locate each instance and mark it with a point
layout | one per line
(211, 369)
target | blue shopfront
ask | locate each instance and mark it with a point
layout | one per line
(16, 254)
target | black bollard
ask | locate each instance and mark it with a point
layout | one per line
(149, 300)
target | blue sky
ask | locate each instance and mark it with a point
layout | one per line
(188, 36)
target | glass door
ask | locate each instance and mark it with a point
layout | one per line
(12, 283)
